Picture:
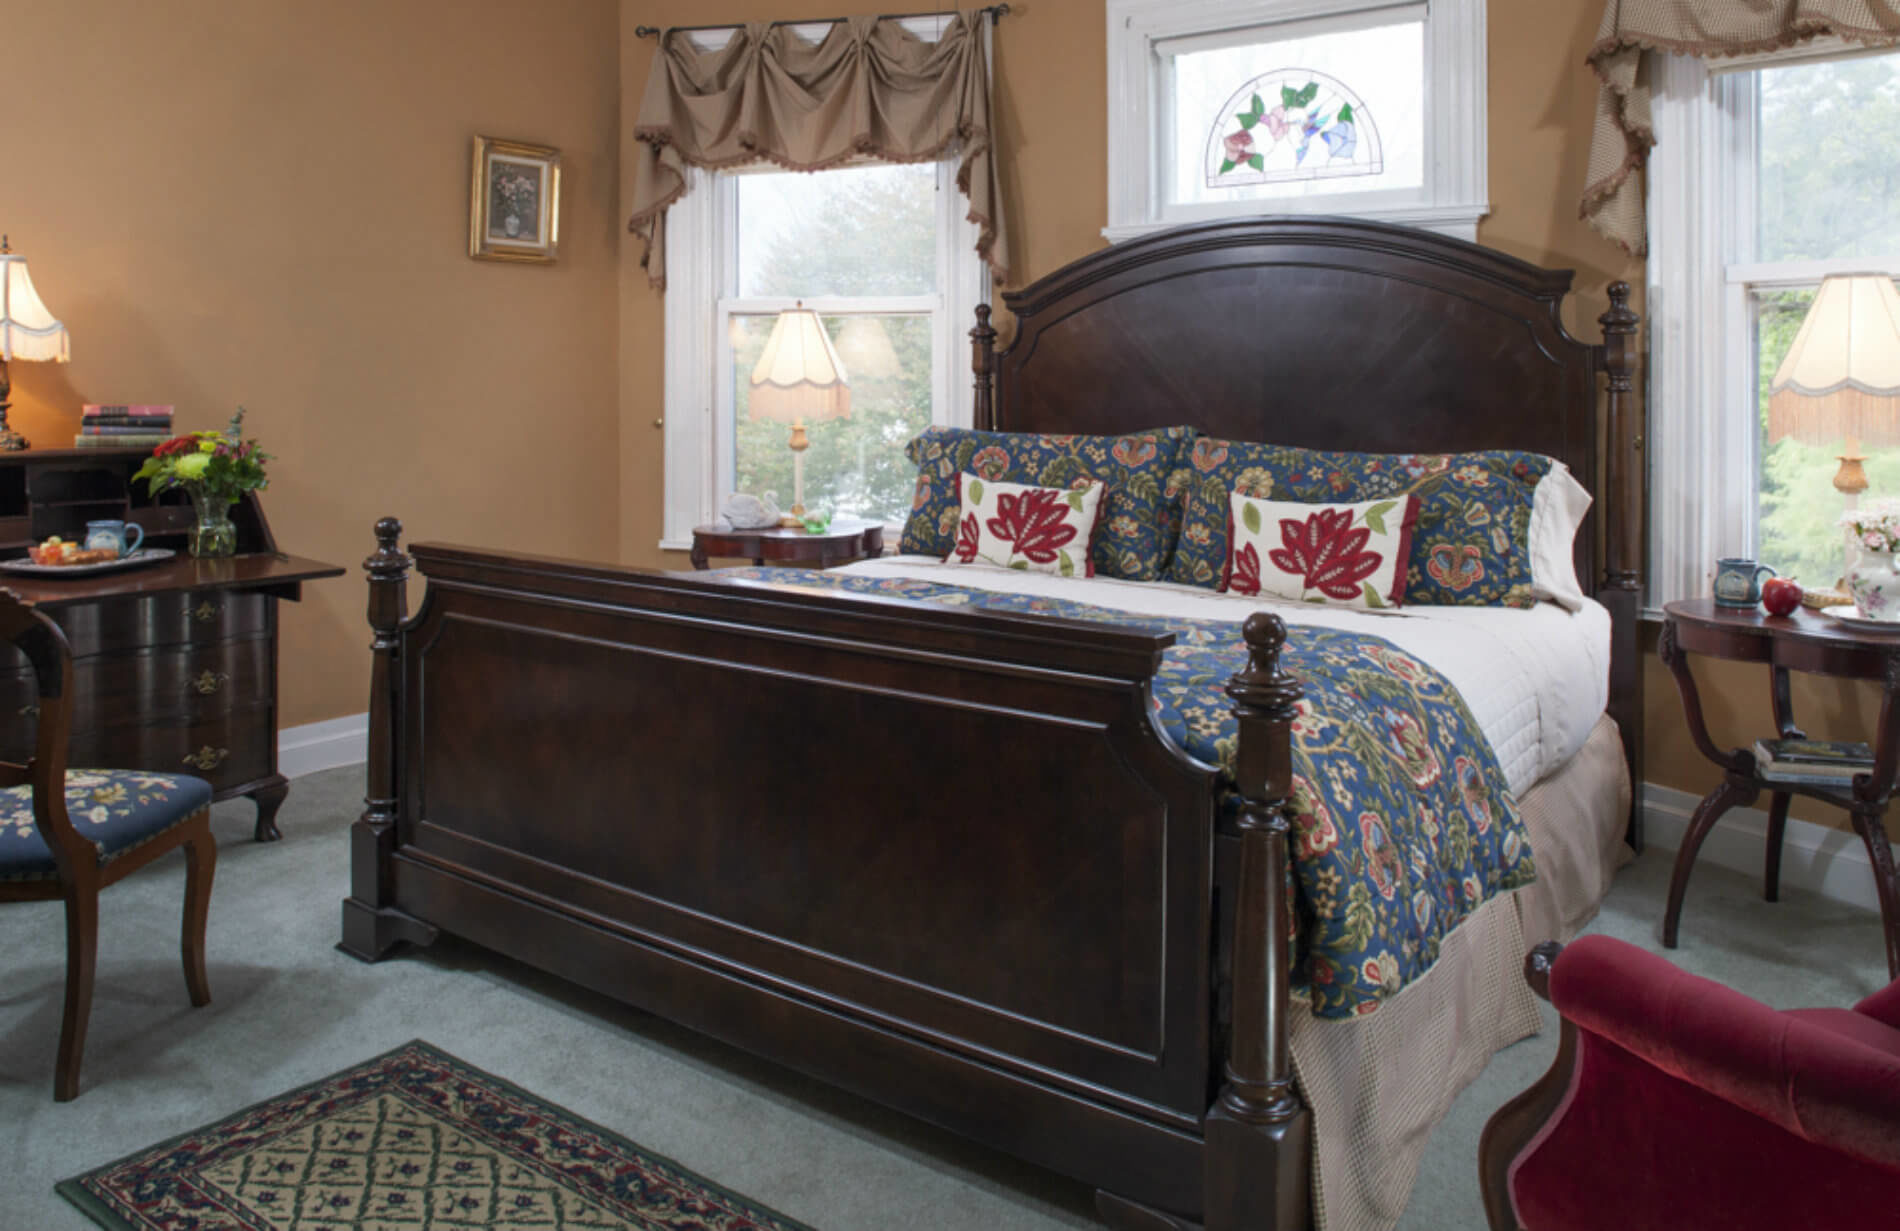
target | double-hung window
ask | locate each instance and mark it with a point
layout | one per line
(1767, 177)
(1220, 108)
(886, 256)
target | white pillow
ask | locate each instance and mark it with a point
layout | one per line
(1557, 508)
(1032, 529)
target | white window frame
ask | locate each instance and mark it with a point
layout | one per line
(701, 299)
(1704, 437)
(1456, 192)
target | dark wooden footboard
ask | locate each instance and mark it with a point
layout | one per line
(939, 857)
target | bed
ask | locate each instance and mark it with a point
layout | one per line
(947, 856)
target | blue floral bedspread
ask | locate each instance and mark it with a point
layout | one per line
(1403, 823)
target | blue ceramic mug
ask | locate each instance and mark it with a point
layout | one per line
(1738, 581)
(112, 534)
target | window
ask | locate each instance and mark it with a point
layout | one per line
(1765, 180)
(884, 256)
(1339, 106)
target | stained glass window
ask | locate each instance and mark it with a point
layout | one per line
(1292, 124)
(1327, 107)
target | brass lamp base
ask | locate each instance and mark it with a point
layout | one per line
(10, 440)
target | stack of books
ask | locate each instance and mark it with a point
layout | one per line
(123, 427)
(1812, 762)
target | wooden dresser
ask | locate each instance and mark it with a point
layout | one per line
(174, 664)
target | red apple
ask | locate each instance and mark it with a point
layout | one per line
(1781, 595)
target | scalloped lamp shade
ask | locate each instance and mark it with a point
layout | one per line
(27, 329)
(1841, 378)
(799, 378)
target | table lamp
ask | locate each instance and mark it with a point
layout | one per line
(27, 331)
(799, 378)
(1841, 378)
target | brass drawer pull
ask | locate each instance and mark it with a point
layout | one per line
(207, 757)
(29, 711)
(209, 682)
(206, 611)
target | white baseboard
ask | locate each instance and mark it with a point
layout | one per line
(1830, 862)
(330, 744)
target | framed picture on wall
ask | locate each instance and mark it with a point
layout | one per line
(514, 209)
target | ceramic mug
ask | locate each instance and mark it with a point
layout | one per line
(1738, 581)
(112, 534)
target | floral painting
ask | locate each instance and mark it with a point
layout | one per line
(515, 201)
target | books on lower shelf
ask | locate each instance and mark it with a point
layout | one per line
(88, 441)
(1813, 762)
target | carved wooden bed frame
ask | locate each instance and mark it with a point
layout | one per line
(773, 815)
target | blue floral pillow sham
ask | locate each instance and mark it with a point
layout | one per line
(1130, 540)
(1470, 546)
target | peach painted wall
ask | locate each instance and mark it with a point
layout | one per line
(266, 203)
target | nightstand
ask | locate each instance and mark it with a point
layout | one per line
(1804, 641)
(783, 545)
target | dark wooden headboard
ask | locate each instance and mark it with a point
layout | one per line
(1339, 334)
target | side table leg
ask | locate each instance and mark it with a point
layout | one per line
(269, 798)
(1874, 833)
(1733, 791)
(1777, 826)
(698, 556)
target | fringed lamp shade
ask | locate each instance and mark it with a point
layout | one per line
(27, 329)
(799, 378)
(1841, 378)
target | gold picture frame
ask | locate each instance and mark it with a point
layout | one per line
(514, 207)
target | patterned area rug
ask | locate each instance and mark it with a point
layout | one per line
(414, 1140)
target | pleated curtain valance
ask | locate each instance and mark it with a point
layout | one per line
(870, 88)
(1613, 199)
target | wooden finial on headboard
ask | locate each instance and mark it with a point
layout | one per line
(983, 363)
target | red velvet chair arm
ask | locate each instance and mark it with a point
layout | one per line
(1819, 1085)
(1883, 1006)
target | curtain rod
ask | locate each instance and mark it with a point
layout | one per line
(996, 11)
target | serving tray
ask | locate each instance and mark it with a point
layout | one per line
(144, 555)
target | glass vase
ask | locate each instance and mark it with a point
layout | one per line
(211, 533)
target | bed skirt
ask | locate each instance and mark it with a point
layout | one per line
(1379, 1085)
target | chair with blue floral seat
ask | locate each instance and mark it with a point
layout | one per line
(67, 834)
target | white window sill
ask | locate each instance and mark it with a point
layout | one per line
(1457, 221)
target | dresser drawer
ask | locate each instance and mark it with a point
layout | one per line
(227, 751)
(188, 617)
(189, 683)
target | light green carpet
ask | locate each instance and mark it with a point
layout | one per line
(288, 1009)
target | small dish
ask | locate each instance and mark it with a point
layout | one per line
(144, 555)
(1851, 616)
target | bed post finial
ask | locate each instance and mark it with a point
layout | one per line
(1258, 1140)
(370, 923)
(983, 363)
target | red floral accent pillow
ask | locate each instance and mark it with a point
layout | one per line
(1034, 529)
(1346, 555)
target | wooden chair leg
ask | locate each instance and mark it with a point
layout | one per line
(82, 946)
(201, 862)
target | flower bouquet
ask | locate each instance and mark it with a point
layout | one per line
(1871, 579)
(214, 469)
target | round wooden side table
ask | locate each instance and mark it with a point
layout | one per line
(788, 545)
(1805, 641)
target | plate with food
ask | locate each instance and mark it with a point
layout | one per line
(58, 557)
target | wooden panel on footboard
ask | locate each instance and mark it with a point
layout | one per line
(939, 857)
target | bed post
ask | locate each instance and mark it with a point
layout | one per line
(1622, 584)
(983, 363)
(1259, 1138)
(371, 924)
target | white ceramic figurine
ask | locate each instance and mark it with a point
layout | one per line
(744, 512)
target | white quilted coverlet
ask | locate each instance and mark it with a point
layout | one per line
(1536, 680)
